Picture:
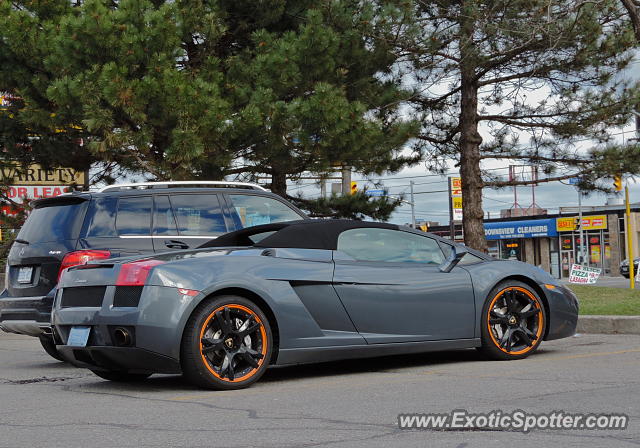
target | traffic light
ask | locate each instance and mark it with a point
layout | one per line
(617, 182)
(354, 187)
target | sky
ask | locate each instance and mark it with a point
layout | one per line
(431, 201)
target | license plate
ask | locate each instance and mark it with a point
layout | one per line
(78, 336)
(24, 274)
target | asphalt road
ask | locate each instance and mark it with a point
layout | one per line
(341, 404)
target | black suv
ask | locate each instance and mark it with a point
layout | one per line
(120, 220)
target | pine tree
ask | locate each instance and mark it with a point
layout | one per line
(490, 74)
(206, 89)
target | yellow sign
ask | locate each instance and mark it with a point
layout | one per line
(16, 174)
(596, 222)
(456, 186)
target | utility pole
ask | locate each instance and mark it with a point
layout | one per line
(630, 256)
(346, 180)
(413, 207)
(580, 228)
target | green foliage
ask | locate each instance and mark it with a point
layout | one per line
(356, 206)
(206, 89)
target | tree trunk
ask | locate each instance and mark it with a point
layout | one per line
(279, 183)
(470, 139)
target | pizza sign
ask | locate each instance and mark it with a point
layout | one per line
(584, 274)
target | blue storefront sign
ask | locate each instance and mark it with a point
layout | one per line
(531, 228)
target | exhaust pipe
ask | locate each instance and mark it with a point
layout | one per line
(121, 337)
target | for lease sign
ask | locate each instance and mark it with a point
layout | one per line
(27, 192)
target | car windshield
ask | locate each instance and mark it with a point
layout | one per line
(53, 223)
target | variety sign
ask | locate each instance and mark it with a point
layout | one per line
(34, 182)
(37, 175)
(584, 274)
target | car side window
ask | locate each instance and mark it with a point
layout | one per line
(198, 214)
(370, 244)
(250, 210)
(134, 216)
(164, 223)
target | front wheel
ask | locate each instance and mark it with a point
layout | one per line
(227, 344)
(513, 321)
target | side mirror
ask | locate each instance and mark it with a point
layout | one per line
(457, 254)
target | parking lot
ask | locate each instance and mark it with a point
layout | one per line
(340, 404)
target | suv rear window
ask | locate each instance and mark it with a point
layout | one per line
(54, 223)
(198, 214)
(134, 216)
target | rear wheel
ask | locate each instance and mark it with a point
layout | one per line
(513, 321)
(49, 346)
(227, 344)
(121, 377)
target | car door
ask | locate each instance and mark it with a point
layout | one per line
(390, 283)
(119, 224)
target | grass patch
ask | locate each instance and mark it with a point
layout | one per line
(608, 301)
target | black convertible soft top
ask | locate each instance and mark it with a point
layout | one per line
(303, 234)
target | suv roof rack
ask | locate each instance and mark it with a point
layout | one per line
(181, 183)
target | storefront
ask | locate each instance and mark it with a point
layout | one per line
(533, 241)
(599, 249)
(553, 243)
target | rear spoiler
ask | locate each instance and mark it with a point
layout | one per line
(64, 199)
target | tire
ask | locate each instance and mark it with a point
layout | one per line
(513, 321)
(227, 344)
(121, 377)
(49, 346)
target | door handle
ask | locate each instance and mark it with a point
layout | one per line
(174, 244)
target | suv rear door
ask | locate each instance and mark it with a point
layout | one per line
(50, 231)
(121, 225)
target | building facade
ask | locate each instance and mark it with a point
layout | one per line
(553, 242)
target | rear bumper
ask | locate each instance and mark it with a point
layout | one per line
(126, 359)
(26, 315)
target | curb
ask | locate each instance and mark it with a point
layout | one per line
(609, 324)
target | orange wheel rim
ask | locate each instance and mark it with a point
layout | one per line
(515, 320)
(233, 343)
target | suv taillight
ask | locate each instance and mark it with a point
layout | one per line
(82, 257)
(136, 272)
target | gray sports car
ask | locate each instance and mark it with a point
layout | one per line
(301, 292)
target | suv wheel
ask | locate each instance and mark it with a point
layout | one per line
(49, 346)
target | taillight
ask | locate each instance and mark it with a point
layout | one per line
(81, 257)
(136, 272)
